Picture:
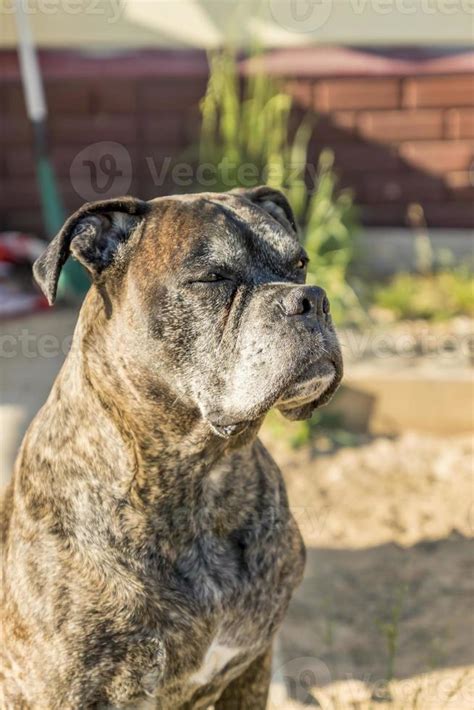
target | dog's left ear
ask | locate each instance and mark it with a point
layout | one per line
(93, 235)
(272, 201)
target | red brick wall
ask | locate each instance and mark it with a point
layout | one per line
(401, 129)
(399, 140)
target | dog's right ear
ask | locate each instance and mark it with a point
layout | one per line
(93, 235)
(272, 201)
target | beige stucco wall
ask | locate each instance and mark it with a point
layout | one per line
(206, 23)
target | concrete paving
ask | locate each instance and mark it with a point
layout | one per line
(32, 350)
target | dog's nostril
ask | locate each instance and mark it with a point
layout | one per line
(326, 305)
(305, 306)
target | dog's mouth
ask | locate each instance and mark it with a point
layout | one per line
(313, 388)
(306, 392)
(225, 431)
(310, 385)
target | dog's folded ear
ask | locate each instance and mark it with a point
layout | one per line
(93, 235)
(272, 201)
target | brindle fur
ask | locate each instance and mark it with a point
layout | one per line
(145, 520)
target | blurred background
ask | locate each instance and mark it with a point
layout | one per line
(362, 111)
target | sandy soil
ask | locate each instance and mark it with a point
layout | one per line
(388, 586)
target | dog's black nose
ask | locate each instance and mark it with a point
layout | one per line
(305, 301)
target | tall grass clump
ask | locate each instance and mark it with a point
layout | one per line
(248, 138)
(244, 133)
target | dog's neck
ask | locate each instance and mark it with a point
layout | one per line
(152, 455)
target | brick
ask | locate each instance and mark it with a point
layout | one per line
(192, 126)
(164, 129)
(166, 94)
(18, 193)
(456, 215)
(401, 125)
(24, 220)
(82, 130)
(443, 91)
(20, 162)
(438, 157)
(155, 167)
(14, 129)
(460, 123)
(355, 157)
(345, 120)
(115, 97)
(148, 190)
(75, 194)
(63, 156)
(14, 99)
(460, 185)
(333, 94)
(402, 187)
(383, 215)
(338, 127)
(301, 91)
(68, 97)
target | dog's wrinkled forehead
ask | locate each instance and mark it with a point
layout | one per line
(225, 230)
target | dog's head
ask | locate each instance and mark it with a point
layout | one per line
(206, 293)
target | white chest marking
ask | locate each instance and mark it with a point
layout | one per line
(217, 657)
(217, 473)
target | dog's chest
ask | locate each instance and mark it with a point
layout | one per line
(227, 618)
(224, 592)
(219, 618)
(217, 657)
(212, 667)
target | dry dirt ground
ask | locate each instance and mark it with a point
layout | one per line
(388, 587)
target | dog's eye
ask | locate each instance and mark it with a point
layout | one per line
(211, 278)
(302, 263)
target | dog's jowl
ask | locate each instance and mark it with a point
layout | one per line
(149, 552)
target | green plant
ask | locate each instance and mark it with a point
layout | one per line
(246, 138)
(245, 130)
(390, 630)
(437, 291)
(330, 242)
(324, 431)
(435, 296)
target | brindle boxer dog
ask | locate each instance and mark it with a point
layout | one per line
(149, 552)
